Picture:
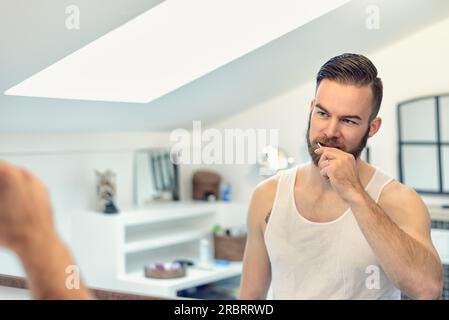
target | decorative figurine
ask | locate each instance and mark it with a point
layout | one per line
(106, 191)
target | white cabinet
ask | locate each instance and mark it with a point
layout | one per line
(111, 250)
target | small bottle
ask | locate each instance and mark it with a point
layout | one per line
(205, 253)
(226, 192)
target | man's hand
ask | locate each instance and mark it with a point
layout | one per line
(407, 247)
(25, 213)
(26, 227)
(340, 168)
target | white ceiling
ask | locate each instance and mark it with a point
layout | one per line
(169, 46)
(34, 36)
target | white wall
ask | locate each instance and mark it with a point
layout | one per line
(65, 163)
(417, 65)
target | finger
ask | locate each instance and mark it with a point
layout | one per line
(328, 150)
(326, 159)
(323, 149)
(323, 163)
(329, 154)
(323, 160)
(319, 150)
(323, 173)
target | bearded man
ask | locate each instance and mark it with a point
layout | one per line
(338, 227)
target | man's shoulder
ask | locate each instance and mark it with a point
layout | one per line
(264, 195)
(396, 191)
(397, 197)
(262, 201)
(269, 186)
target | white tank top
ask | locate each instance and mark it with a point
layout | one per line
(329, 260)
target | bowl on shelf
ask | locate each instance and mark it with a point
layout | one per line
(164, 270)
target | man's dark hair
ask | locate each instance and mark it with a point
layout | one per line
(353, 69)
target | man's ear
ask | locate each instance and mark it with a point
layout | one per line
(374, 126)
(312, 103)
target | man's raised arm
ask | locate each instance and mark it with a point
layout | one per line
(26, 227)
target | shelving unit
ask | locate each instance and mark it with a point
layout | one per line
(113, 249)
(137, 282)
(163, 241)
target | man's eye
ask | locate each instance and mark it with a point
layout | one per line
(321, 113)
(349, 121)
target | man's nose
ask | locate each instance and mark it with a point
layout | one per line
(332, 130)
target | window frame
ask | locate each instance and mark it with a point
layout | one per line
(438, 143)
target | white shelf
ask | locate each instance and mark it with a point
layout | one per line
(156, 213)
(160, 242)
(195, 277)
(126, 241)
(149, 216)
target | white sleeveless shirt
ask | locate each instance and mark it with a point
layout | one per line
(329, 260)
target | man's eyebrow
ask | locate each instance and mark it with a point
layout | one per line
(342, 117)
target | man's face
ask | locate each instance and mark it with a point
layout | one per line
(339, 118)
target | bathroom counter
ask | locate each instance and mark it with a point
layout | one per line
(16, 288)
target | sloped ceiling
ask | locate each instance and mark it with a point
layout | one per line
(32, 45)
(169, 46)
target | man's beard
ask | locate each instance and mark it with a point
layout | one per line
(312, 146)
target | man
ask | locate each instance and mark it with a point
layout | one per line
(339, 228)
(26, 227)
